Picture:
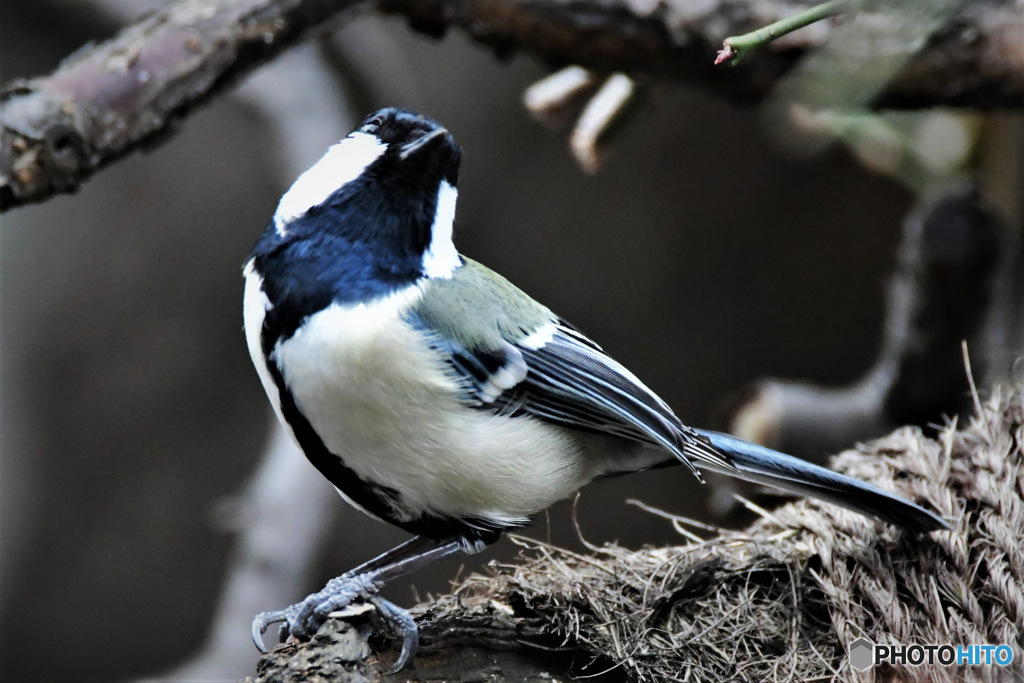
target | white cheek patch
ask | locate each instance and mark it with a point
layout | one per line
(342, 164)
(441, 259)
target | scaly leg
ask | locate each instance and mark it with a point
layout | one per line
(305, 618)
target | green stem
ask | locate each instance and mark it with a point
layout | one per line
(737, 47)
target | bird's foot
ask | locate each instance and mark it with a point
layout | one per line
(303, 619)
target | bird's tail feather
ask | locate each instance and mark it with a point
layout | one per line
(762, 465)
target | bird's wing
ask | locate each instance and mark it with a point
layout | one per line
(572, 381)
(531, 363)
(517, 358)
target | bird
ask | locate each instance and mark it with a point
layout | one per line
(437, 396)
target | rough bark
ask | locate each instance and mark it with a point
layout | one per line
(130, 91)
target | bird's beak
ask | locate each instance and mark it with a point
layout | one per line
(424, 143)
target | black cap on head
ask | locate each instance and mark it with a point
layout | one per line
(417, 144)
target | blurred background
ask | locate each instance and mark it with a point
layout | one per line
(132, 420)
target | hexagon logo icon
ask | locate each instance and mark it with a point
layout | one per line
(862, 654)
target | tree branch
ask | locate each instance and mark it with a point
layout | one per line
(129, 92)
(106, 101)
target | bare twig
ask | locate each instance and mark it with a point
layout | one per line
(550, 98)
(603, 115)
(105, 101)
(735, 48)
(865, 56)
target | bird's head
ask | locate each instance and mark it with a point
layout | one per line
(389, 185)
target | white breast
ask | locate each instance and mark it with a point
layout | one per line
(381, 400)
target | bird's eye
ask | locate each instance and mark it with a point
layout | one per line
(374, 124)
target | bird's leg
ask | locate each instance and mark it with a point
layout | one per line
(304, 619)
(264, 620)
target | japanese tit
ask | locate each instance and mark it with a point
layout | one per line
(433, 393)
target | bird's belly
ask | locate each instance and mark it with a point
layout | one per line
(384, 403)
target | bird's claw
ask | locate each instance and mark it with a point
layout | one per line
(265, 620)
(403, 625)
(303, 619)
